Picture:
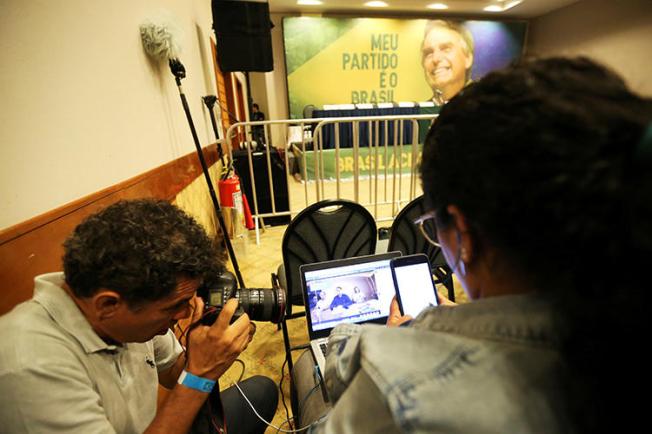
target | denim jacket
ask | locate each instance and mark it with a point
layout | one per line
(491, 366)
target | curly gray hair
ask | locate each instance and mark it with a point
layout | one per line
(138, 248)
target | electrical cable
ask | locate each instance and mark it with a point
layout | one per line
(243, 370)
(279, 429)
(281, 425)
(280, 387)
(310, 392)
(213, 419)
(183, 333)
(183, 336)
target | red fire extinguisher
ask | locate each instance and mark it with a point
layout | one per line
(230, 194)
(231, 197)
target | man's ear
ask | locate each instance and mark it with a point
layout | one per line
(106, 303)
(469, 61)
(461, 225)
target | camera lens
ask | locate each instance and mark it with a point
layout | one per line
(262, 304)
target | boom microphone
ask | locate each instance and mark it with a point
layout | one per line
(162, 41)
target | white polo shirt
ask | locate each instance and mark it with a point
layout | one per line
(58, 375)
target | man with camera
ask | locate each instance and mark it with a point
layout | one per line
(86, 353)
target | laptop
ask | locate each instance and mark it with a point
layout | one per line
(353, 290)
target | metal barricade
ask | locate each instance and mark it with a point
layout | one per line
(380, 158)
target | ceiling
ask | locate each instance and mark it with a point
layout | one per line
(526, 9)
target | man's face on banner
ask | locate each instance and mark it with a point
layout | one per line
(445, 61)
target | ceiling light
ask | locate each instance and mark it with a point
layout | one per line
(309, 2)
(438, 6)
(376, 4)
(502, 6)
(493, 8)
(512, 4)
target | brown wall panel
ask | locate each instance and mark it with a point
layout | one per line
(34, 247)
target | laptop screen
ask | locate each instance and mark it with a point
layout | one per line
(348, 291)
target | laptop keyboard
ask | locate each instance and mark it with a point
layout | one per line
(323, 348)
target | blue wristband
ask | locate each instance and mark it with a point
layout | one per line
(194, 382)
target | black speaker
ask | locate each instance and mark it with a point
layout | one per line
(279, 181)
(243, 35)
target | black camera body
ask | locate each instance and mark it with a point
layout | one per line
(261, 304)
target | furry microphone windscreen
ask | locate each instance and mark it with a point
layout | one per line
(161, 37)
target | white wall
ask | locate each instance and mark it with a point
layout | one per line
(259, 91)
(277, 90)
(83, 107)
(617, 33)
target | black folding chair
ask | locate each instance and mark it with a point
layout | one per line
(326, 230)
(406, 237)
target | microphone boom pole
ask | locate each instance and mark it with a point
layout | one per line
(179, 72)
(209, 101)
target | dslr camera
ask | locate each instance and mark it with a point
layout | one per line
(261, 304)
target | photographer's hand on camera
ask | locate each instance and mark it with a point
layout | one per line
(212, 349)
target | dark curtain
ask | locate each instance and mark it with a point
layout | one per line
(346, 129)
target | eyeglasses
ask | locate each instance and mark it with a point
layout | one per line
(426, 224)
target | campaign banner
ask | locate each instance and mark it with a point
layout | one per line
(380, 60)
(381, 161)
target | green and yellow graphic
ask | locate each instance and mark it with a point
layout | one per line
(357, 60)
(377, 60)
(370, 162)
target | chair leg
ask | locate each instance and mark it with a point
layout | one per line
(448, 283)
(286, 342)
(446, 278)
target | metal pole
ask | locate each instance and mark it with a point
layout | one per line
(211, 190)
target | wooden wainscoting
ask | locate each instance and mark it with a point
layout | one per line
(34, 247)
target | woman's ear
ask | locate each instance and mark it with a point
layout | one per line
(465, 238)
(471, 266)
(106, 303)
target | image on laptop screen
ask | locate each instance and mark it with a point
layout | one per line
(349, 294)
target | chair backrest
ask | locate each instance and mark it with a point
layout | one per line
(406, 237)
(326, 230)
